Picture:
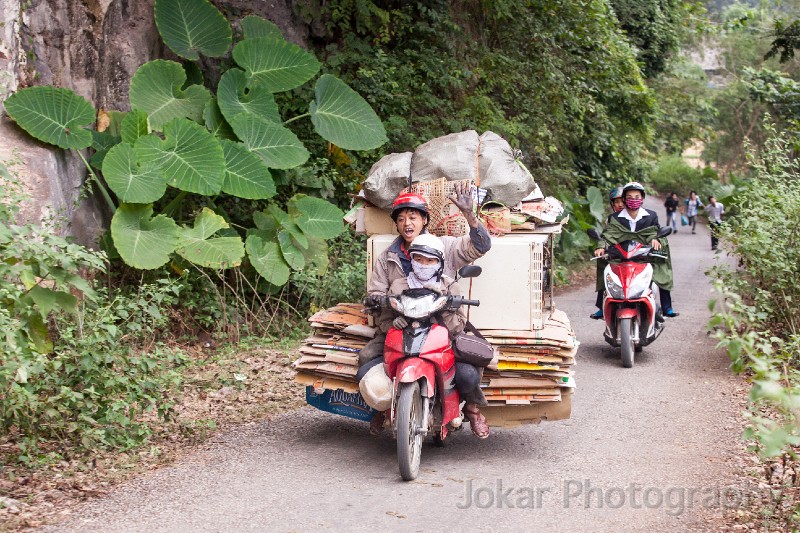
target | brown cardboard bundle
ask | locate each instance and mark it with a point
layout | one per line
(531, 366)
(330, 355)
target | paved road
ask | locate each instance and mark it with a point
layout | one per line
(650, 442)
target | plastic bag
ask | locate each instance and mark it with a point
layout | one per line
(684, 220)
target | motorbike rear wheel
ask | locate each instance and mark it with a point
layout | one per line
(409, 421)
(626, 341)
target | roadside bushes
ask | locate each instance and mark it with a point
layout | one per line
(758, 317)
(72, 375)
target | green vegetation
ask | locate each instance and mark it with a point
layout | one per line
(180, 135)
(757, 320)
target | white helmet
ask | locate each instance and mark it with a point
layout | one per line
(429, 246)
(376, 388)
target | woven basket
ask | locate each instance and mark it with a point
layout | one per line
(445, 218)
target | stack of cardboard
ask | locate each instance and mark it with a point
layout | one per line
(531, 366)
(329, 357)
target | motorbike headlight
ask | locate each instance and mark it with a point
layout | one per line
(422, 306)
(614, 287)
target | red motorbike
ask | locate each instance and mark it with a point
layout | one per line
(420, 361)
(630, 305)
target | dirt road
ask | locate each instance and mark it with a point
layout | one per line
(645, 450)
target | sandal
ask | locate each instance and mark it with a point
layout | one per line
(477, 422)
(377, 423)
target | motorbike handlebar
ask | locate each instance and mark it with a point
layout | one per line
(458, 301)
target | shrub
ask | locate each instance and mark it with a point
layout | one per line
(758, 321)
(69, 373)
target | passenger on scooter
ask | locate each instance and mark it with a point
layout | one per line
(427, 267)
(637, 223)
(617, 205)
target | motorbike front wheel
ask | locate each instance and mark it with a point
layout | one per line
(626, 341)
(409, 421)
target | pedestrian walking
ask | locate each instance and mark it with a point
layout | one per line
(715, 210)
(671, 204)
(693, 203)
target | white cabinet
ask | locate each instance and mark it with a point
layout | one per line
(510, 287)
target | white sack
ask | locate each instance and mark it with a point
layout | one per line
(387, 178)
(452, 156)
(376, 388)
(501, 172)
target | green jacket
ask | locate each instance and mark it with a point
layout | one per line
(616, 233)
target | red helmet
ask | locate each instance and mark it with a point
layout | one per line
(409, 200)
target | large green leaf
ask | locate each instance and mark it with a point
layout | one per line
(189, 157)
(236, 97)
(317, 217)
(274, 63)
(246, 176)
(316, 255)
(52, 115)
(192, 26)
(341, 116)
(216, 123)
(143, 242)
(267, 223)
(276, 145)
(132, 181)
(254, 26)
(287, 223)
(266, 258)
(134, 125)
(102, 142)
(292, 254)
(597, 204)
(196, 245)
(156, 90)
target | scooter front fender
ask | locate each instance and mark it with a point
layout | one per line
(627, 312)
(414, 369)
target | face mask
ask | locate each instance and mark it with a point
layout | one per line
(424, 272)
(633, 203)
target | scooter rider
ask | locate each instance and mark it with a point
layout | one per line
(617, 205)
(637, 223)
(427, 267)
(410, 215)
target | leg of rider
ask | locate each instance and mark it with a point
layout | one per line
(666, 303)
(371, 352)
(373, 349)
(468, 380)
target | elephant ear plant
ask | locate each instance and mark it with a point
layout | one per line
(179, 134)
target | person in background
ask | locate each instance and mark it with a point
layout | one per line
(635, 219)
(693, 203)
(715, 211)
(671, 203)
(617, 205)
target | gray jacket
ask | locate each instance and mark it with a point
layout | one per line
(458, 252)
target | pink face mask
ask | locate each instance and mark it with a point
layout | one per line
(633, 203)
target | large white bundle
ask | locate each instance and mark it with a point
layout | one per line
(487, 159)
(501, 172)
(453, 157)
(387, 178)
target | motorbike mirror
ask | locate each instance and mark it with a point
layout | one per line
(663, 232)
(593, 233)
(469, 271)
